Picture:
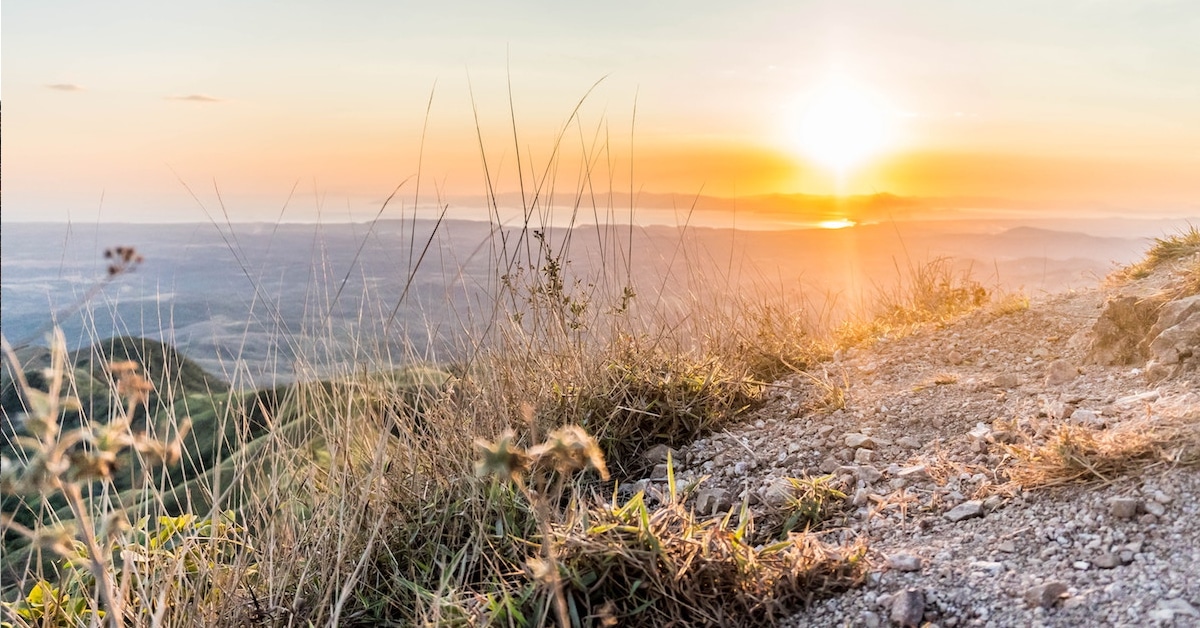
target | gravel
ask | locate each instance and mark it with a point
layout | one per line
(917, 449)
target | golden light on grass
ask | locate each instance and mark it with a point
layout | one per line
(841, 126)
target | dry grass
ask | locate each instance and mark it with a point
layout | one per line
(1075, 454)
(1164, 250)
(664, 566)
(1011, 303)
(932, 293)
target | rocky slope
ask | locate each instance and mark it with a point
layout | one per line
(929, 442)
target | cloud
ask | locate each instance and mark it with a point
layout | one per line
(65, 87)
(196, 98)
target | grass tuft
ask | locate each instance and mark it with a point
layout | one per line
(1081, 454)
(1164, 250)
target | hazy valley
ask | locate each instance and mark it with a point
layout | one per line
(247, 301)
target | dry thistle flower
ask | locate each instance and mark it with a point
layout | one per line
(130, 384)
(160, 452)
(569, 449)
(540, 571)
(90, 465)
(59, 539)
(10, 474)
(608, 612)
(501, 458)
(123, 259)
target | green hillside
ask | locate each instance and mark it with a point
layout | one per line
(228, 429)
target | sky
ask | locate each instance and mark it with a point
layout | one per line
(149, 111)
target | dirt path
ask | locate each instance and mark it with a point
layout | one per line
(919, 448)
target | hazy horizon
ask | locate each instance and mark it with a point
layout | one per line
(116, 113)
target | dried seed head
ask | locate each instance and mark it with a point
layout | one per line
(59, 539)
(540, 571)
(569, 449)
(501, 458)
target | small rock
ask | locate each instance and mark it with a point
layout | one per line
(1006, 380)
(1123, 507)
(905, 562)
(1086, 417)
(915, 471)
(710, 501)
(965, 510)
(777, 492)
(659, 472)
(1008, 547)
(829, 465)
(908, 608)
(980, 432)
(871, 619)
(1162, 497)
(658, 454)
(1140, 398)
(1107, 560)
(954, 358)
(1056, 409)
(992, 503)
(860, 497)
(990, 566)
(1045, 595)
(1161, 615)
(1148, 519)
(1178, 606)
(1081, 565)
(856, 441)
(1154, 508)
(863, 456)
(868, 474)
(1060, 372)
(908, 442)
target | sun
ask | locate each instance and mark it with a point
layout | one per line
(842, 125)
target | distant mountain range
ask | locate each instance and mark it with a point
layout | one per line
(257, 303)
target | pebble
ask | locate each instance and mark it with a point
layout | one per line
(1060, 372)
(1045, 595)
(868, 474)
(917, 470)
(1154, 508)
(1006, 380)
(856, 441)
(777, 492)
(965, 510)
(908, 608)
(908, 442)
(1123, 507)
(905, 562)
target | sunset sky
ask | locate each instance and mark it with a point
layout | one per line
(111, 108)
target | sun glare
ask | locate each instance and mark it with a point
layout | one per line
(840, 223)
(841, 126)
